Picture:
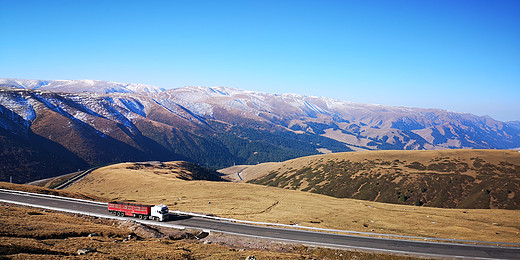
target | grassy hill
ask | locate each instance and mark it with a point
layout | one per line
(262, 203)
(177, 169)
(445, 178)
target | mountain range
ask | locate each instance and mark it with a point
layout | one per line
(51, 127)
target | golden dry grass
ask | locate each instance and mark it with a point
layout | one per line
(57, 181)
(261, 203)
(29, 233)
(43, 190)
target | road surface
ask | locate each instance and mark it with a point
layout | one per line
(431, 249)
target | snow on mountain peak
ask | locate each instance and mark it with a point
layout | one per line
(76, 86)
(141, 88)
(23, 83)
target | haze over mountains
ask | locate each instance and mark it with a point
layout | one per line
(50, 127)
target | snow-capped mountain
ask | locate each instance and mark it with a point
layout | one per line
(59, 126)
(358, 126)
(75, 86)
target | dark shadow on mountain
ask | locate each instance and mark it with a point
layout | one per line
(34, 157)
(151, 148)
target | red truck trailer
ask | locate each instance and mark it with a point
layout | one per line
(142, 211)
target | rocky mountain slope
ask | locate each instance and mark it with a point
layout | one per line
(49, 128)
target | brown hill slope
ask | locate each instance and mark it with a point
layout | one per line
(177, 169)
(446, 178)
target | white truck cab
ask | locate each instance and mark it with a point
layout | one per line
(160, 212)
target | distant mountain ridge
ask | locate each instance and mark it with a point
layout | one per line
(52, 127)
(75, 86)
(360, 126)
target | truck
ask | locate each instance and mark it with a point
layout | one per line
(142, 211)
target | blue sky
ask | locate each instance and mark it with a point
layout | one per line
(457, 55)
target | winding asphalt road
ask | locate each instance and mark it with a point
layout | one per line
(431, 249)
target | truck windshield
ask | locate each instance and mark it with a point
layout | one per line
(164, 210)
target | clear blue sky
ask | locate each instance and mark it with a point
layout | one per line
(457, 55)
